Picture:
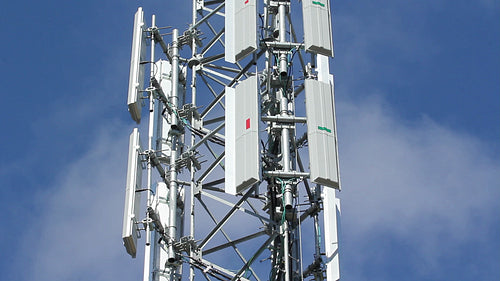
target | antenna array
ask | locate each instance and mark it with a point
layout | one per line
(241, 158)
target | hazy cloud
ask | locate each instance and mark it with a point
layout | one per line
(418, 182)
(77, 236)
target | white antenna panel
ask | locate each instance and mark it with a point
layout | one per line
(242, 160)
(136, 78)
(132, 198)
(163, 73)
(321, 133)
(240, 29)
(317, 27)
(161, 198)
(331, 222)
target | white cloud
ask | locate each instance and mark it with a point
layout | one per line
(77, 236)
(419, 182)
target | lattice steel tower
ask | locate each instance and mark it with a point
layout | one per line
(240, 158)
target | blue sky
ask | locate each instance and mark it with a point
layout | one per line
(418, 107)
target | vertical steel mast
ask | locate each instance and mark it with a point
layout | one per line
(248, 149)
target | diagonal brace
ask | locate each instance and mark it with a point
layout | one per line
(227, 216)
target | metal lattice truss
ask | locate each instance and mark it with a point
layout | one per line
(271, 230)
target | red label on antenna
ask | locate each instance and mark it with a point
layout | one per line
(246, 2)
(248, 123)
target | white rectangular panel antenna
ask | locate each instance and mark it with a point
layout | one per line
(131, 213)
(317, 27)
(242, 160)
(321, 134)
(163, 211)
(240, 29)
(331, 218)
(136, 77)
(163, 74)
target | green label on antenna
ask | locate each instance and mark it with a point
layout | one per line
(324, 129)
(318, 3)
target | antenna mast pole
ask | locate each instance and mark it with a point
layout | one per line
(149, 184)
(192, 170)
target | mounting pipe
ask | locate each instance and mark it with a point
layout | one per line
(174, 100)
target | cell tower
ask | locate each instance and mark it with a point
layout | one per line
(240, 158)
